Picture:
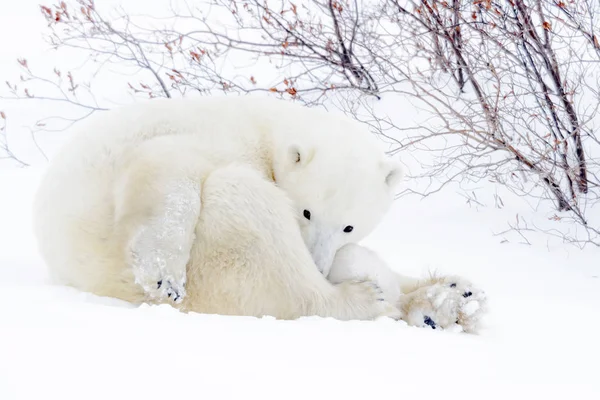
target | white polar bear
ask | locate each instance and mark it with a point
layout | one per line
(446, 302)
(243, 202)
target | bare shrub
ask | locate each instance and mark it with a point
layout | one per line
(5, 151)
(509, 89)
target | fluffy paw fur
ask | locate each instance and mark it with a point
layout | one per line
(370, 296)
(448, 303)
(160, 250)
(159, 270)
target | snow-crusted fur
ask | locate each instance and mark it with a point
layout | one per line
(446, 302)
(252, 195)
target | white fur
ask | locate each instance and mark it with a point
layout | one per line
(117, 209)
(447, 302)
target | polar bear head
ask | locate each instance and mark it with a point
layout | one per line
(341, 185)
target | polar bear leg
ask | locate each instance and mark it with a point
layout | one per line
(353, 261)
(446, 302)
(250, 258)
(157, 203)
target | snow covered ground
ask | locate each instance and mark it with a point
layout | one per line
(541, 337)
(540, 340)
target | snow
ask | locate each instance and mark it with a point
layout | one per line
(541, 337)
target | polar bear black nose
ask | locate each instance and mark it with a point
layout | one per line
(307, 214)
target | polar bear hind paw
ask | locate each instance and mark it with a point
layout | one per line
(160, 285)
(171, 291)
(448, 303)
(160, 248)
(159, 267)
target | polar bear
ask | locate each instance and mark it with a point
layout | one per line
(445, 302)
(123, 210)
(241, 264)
(249, 258)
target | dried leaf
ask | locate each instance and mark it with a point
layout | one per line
(195, 56)
(46, 10)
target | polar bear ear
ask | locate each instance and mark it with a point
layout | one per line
(300, 156)
(393, 174)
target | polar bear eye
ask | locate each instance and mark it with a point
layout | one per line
(307, 214)
(348, 229)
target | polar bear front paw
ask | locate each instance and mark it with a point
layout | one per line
(368, 300)
(448, 303)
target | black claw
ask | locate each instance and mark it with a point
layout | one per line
(467, 294)
(159, 283)
(457, 321)
(453, 285)
(429, 321)
(169, 294)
